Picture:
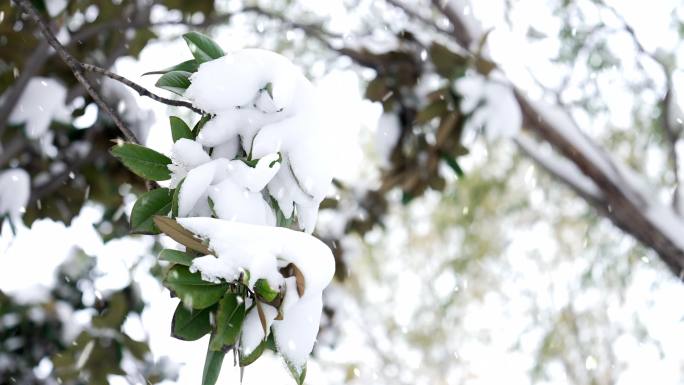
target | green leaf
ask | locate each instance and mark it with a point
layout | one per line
(447, 63)
(192, 289)
(262, 288)
(202, 47)
(174, 199)
(143, 161)
(212, 367)
(190, 324)
(251, 357)
(297, 373)
(179, 129)
(269, 89)
(187, 66)
(139, 349)
(114, 314)
(149, 204)
(176, 256)
(174, 81)
(200, 124)
(229, 318)
(453, 164)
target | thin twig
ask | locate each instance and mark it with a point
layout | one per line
(76, 67)
(672, 133)
(142, 91)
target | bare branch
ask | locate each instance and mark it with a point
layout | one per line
(142, 91)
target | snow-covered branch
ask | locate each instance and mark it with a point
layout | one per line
(627, 204)
(562, 169)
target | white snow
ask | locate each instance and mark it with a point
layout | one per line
(560, 166)
(15, 189)
(139, 119)
(55, 7)
(253, 331)
(295, 335)
(386, 137)
(233, 187)
(239, 247)
(261, 98)
(42, 101)
(186, 154)
(493, 106)
(264, 110)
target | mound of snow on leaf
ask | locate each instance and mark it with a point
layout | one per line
(242, 247)
(264, 103)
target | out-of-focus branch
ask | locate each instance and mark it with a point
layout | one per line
(417, 16)
(32, 66)
(12, 149)
(460, 30)
(75, 67)
(562, 169)
(628, 206)
(672, 133)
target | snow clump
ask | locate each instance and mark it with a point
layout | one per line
(263, 156)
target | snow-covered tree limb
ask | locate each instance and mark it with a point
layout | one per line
(627, 204)
(562, 169)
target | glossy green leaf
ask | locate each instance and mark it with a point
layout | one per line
(174, 199)
(191, 289)
(143, 161)
(245, 360)
(262, 288)
(212, 367)
(229, 318)
(200, 124)
(179, 129)
(202, 47)
(175, 81)
(149, 204)
(190, 324)
(176, 256)
(187, 66)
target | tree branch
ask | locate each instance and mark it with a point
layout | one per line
(460, 30)
(31, 67)
(75, 67)
(142, 91)
(417, 16)
(628, 206)
(562, 169)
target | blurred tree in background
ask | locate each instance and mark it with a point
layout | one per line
(515, 216)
